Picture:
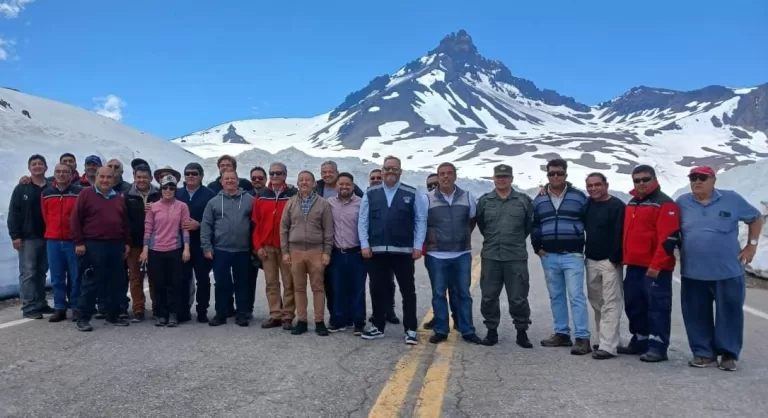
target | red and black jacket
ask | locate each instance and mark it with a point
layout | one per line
(651, 230)
(57, 210)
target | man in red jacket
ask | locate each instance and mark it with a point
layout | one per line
(651, 233)
(266, 216)
(58, 201)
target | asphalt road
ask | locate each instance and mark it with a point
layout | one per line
(197, 370)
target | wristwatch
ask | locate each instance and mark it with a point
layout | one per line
(753, 242)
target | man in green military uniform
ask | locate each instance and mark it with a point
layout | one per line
(505, 218)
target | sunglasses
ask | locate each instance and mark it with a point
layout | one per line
(168, 187)
(391, 169)
(276, 173)
(113, 166)
(642, 180)
(431, 186)
(556, 173)
(258, 178)
(698, 177)
(376, 178)
(191, 173)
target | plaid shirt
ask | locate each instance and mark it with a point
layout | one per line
(307, 203)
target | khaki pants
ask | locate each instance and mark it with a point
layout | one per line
(285, 308)
(136, 282)
(605, 293)
(310, 263)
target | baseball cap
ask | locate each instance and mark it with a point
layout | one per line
(93, 159)
(137, 162)
(703, 169)
(168, 179)
(502, 170)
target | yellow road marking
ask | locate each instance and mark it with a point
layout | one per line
(430, 400)
(395, 391)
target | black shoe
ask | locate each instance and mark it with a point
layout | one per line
(392, 318)
(33, 315)
(437, 338)
(630, 350)
(602, 355)
(472, 338)
(202, 318)
(124, 315)
(492, 338)
(651, 357)
(58, 316)
(161, 322)
(47, 310)
(173, 320)
(299, 328)
(242, 320)
(522, 339)
(430, 324)
(216, 321)
(119, 322)
(138, 317)
(581, 347)
(320, 329)
(100, 315)
(83, 325)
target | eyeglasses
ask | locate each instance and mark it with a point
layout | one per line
(276, 173)
(559, 173)
(391, 169)
(258, 178)
(191, 173)
(698, 177)
(642, 180)
(431, 186)
(168, 187)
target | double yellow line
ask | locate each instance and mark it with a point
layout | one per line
(395, 392)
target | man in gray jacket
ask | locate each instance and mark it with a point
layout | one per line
(505, 218)
(225, 238)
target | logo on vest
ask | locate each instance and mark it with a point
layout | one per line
(24, 197)
(407, 199)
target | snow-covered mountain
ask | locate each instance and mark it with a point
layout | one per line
(32, 125)
(452, 104)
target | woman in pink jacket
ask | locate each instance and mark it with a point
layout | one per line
(166, 247)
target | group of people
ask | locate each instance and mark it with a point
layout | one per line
(99, 234)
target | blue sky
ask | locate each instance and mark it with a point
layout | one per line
(183, 65)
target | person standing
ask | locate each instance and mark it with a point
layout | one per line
(604, 226)
(432, 183)
(196, 197)
(374, 177)
(166, 248)
(58, 202)
(267, 214)
(225, 163)
(26, 227)
(387, 212)
(558, 239)
(306, 240)
(347, 265)
(505, 219)
(100, 231)
(225, 239)
(121, 186)
(137, 201)
(712, 268)
(451, 219)
(651, 234)
(92, 164)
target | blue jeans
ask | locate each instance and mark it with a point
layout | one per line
(454, 275)
(62, 260)
(230, 270)
(648, 304)
(564, 274)
(348, 275)
(714, 333)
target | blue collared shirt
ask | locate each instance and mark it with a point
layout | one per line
(420, 217)
(107, 196)
(710, 232)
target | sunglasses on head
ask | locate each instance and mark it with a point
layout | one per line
(168, 187)
(191, 173)
(559, 173)
(698, 177)
(642, 179)
(276, 173)
(258, 178)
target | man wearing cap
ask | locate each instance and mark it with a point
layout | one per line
(651, 234)
(505, 219)
(196, 196)
(92, 163)
(137, 201)
(712, 268)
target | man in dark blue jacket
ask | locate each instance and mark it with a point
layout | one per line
(196, 196)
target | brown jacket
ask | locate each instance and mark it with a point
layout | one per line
(311, 232)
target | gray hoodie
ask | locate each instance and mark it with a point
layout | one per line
(226, 224)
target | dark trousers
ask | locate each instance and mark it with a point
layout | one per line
(230, 270)
(165, 269)
(380, 269)
(253, 274)
(330, 295)
(392, 289)
(201, 268)
(512, 276)
(348, 273)
(648, 304)
(714, 333)
(105, 258)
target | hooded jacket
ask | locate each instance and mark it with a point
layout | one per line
(134, 202)
(226, 223)
(651, 230)
(267, 212)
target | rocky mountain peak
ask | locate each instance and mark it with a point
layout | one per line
(457, 44)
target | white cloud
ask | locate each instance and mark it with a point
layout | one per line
(12, 8)
(6, 48)
(110, 106)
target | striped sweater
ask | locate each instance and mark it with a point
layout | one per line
(560, 230)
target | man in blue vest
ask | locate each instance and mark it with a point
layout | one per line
(450, 222)
(392, 226)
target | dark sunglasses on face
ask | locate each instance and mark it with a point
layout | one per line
(556, 173)
(642, 180)
(191, 173)
(258, 178)
(276, 173)
(698, 177)
(168, 187)
(113, 166)
(375, 178)
(431, 186)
